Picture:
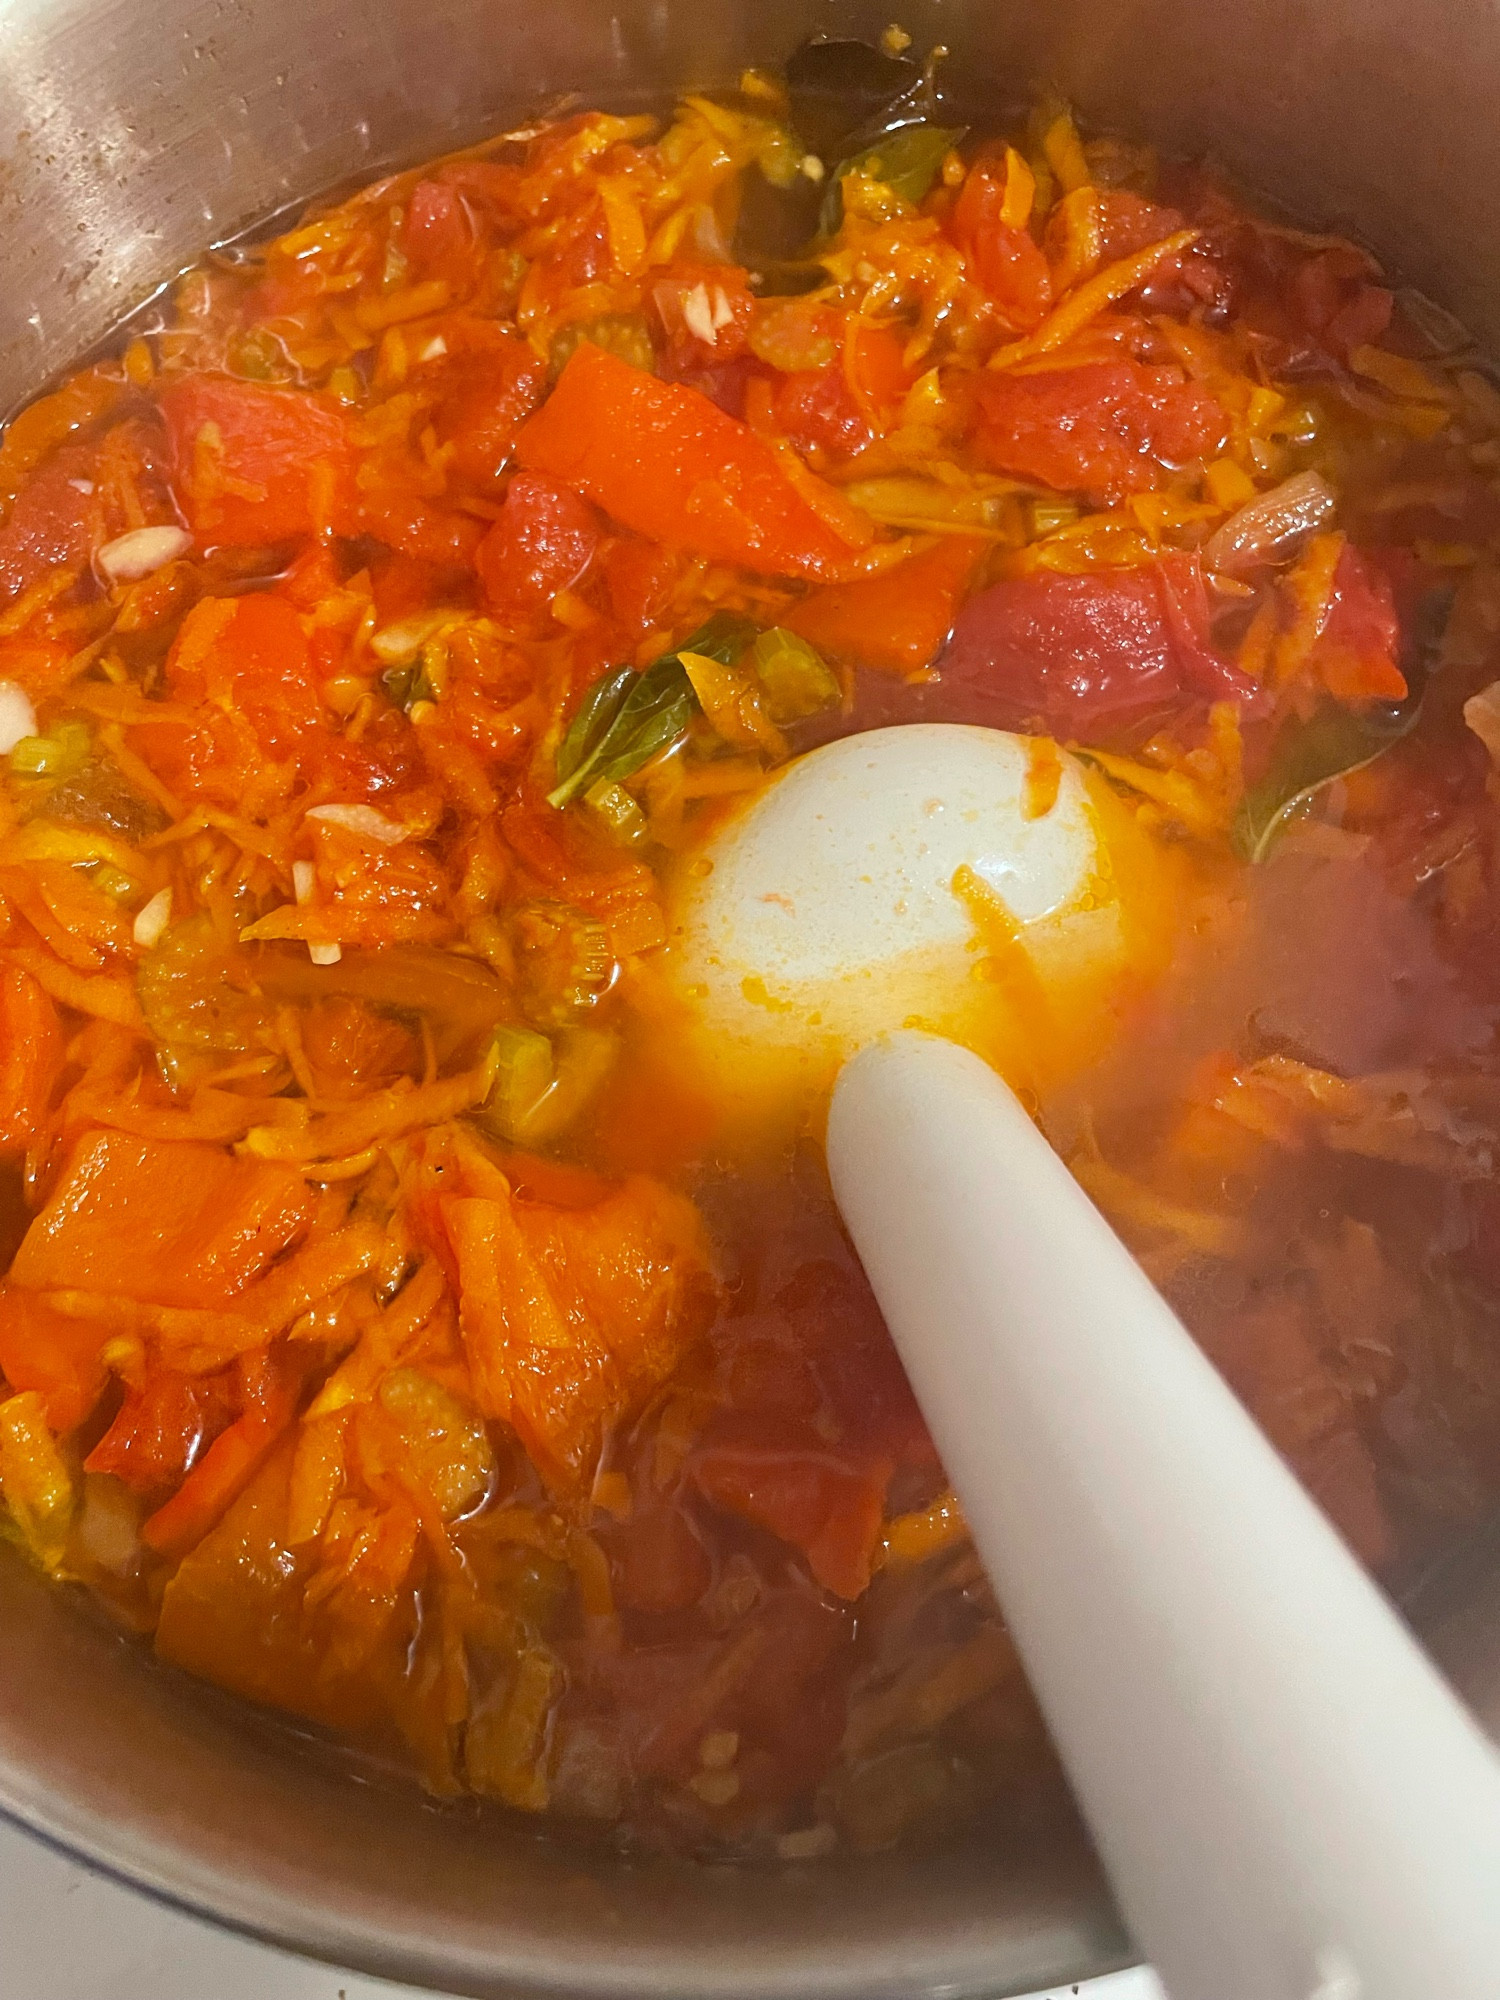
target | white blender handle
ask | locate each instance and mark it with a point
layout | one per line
(1290, 1803)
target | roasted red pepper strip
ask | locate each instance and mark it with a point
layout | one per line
(896, 620)
(662, 459)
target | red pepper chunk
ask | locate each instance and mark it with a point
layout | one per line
(1105, 429)
(31, 1056)
(256, 465)
(59, 1357)
(662, 459)
(895, 621)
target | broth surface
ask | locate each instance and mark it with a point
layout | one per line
(398, 1329)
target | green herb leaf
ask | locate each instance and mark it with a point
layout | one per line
(627, 717)
(843, 93)
(907, 161)
(1336, 741)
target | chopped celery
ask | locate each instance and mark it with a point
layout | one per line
(523, 1077)
(797, 680)
(61, 753)
(617, 812)
(1046, 515)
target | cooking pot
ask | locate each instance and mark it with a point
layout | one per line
(134, 133)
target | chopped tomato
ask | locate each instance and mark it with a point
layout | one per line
(896, 620)
(439, 236)
(840, 408)
(662, 459)
(31, 1057)
(542, 543)
(1105, 429)
(175, 1224)
(489, 389)
(256, 464)
(58, 1356)
(1081, 656)
(804, 1494)
(639, 578)
(704, 312)
(1005, 260)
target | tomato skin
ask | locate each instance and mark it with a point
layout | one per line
(282, 465)
(1357, 652)
(161, 1429)
(544, 540)
(31, 1058)
(1105, 429)
(1006, 263)
(1083, 656)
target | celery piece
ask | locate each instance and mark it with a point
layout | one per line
(523, 1077)
(618, 814)
(61, 753)
(1046, 515)
(797, 680)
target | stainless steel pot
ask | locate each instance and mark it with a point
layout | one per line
(132, 134)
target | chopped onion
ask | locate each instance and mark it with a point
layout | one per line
(152, 919)
(698, 316)
(363, 820)
(17, 716)
(130, 557)
(302, 885)
(1271, 524)
(1482, 713)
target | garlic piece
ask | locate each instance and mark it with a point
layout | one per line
(361, 820)
(131, 556)
(151, 919)
(302, 886)
(17, 716)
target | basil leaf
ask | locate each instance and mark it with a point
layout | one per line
(1336, 741)
(907, 161)
(590, 725)
(627, 717)
(1311, 755)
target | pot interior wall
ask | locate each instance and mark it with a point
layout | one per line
(132, 136)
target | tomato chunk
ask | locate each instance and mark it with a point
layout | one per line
(804, 1494)
(1105, 429)
(662, 459)
(161, 1429)
(1077, 656)
(490, 388)
(256, 464)
(1003, 257)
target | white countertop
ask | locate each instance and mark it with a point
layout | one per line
(66, 1934)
